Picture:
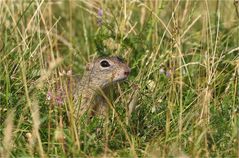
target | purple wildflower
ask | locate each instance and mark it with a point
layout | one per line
(59, 100)
(99, 18)
(100, 12)
(168, 74)
(49, 95)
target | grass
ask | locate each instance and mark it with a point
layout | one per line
(181, 99)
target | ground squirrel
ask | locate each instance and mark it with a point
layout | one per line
(98, 75)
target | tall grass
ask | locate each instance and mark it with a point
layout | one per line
(180, 100)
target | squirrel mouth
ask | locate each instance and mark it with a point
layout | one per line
(121, 79)
(123, 76)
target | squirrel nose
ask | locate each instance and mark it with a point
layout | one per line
(127, 72)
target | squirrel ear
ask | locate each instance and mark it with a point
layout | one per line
(88, 66)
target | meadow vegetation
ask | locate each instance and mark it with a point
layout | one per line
(181, 99)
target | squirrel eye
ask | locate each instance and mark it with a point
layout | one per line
(104, 63)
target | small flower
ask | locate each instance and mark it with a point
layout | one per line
(100, 12)
(99, 18)
(59, 100)
(168, 74)
(161, 71)
(49, 95)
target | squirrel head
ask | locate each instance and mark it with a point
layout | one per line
(106, 70)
